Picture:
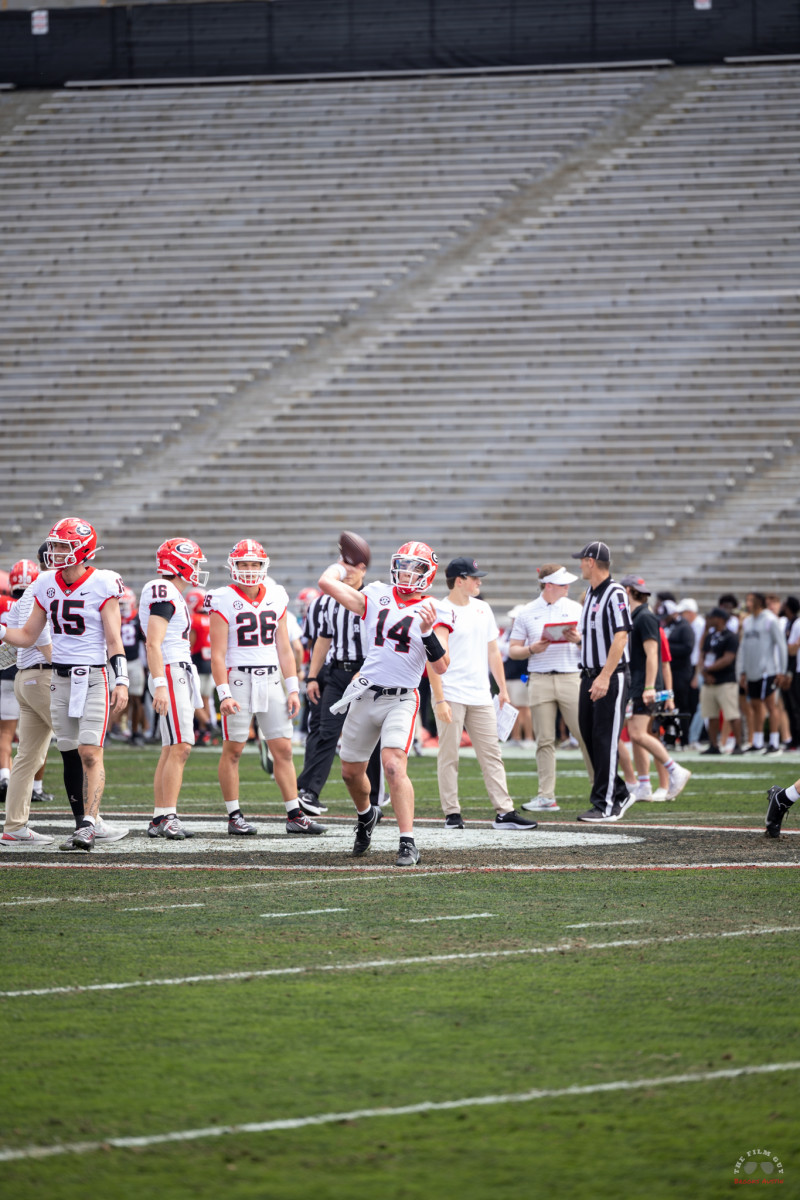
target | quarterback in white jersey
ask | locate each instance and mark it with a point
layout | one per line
(82, 606)
(250, 648)
(165, 622)
(398, 623)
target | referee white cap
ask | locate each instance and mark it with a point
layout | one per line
(596, 550)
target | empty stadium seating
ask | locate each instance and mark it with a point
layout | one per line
(503, 314)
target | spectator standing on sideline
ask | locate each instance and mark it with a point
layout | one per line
(761, 666)
(647, 680)
(605, 627)
(719, 695)
(553, 674)
(681, 647)
(792, 606)
(516, 673)
(463, 699)
(338, 655)
(690, 612)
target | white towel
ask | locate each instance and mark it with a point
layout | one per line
(259, 689)
(194, 684)
(78, 690)
(354, 689)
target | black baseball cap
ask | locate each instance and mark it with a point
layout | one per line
(463, 566)
(636, 582)
(599, 551)
(721, 613)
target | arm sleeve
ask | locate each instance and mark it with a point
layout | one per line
(163, 608)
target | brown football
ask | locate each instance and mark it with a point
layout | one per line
(354, 549)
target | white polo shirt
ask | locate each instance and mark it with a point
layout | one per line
(528, 626)
(466, 680)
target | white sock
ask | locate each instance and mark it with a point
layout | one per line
(409, 833)
(162, 812)
(231, 806)
(758, 740)
(291, 805)
(792, 794)
(5, 774)
(775, 739)
(643, 778)
(91, 820)
(37, 786)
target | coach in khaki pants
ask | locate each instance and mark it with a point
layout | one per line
(553, 673)
(462, 697)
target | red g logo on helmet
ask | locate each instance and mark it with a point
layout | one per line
(413, 567)
(182, 557)
(70, 542)
(248, 563)
(22, 575)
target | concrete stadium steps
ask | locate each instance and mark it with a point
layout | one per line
(504, 316)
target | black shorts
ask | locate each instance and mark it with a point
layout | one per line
(640, 709)
(759, 689)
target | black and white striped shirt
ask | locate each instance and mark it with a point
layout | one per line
(605, 613)
(344, 628)
(314, 620)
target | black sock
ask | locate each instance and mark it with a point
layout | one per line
(73, 782)
(291, 813)
(407, 838)
(237, 812)
(367, 816)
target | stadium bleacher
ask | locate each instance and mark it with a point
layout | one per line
(501, 313)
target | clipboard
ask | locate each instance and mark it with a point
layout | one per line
(555, 632)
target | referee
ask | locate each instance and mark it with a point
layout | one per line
(337, 656)
(605, 678)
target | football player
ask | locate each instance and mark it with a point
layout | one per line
(200, 643)
(250, 648)
(398, 623)
(9, 708)
(82, 606)
(164, 617)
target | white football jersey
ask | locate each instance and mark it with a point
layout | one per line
(175, 646)
(252, 624)
(74, 613)
(396, 656)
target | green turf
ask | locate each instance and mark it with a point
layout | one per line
(88, 1066)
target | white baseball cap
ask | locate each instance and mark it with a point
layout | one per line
(559, 577)
(688, 605)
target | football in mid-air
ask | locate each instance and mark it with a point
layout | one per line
(354, 549)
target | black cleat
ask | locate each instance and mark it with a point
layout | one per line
(364, 832)
(311, 804)
(238, 826)
(407, 855)
(454, 821)
(776, 811)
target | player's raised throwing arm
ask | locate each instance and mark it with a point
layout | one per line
(333, 582)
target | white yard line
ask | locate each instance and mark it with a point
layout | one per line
(161, 907)
(421, 960)
(594, 924)
(463, 917)
(361, 1114)
(305, 912)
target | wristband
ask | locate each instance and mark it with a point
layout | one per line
(651, 688)
(224, 692)
(312, 679)
(119, 665)
(439, 702)
(434, 649)
(292, 684)
(159, 681)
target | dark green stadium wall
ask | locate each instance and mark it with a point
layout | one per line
(286, 37)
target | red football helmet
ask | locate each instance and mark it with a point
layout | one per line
(70, 542)
(182, 557)
(251, 552)
(127, 604)
(22, 575)
(194, 599)
(417, 563)
(306, 597)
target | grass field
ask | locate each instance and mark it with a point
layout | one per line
(559, 1019)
